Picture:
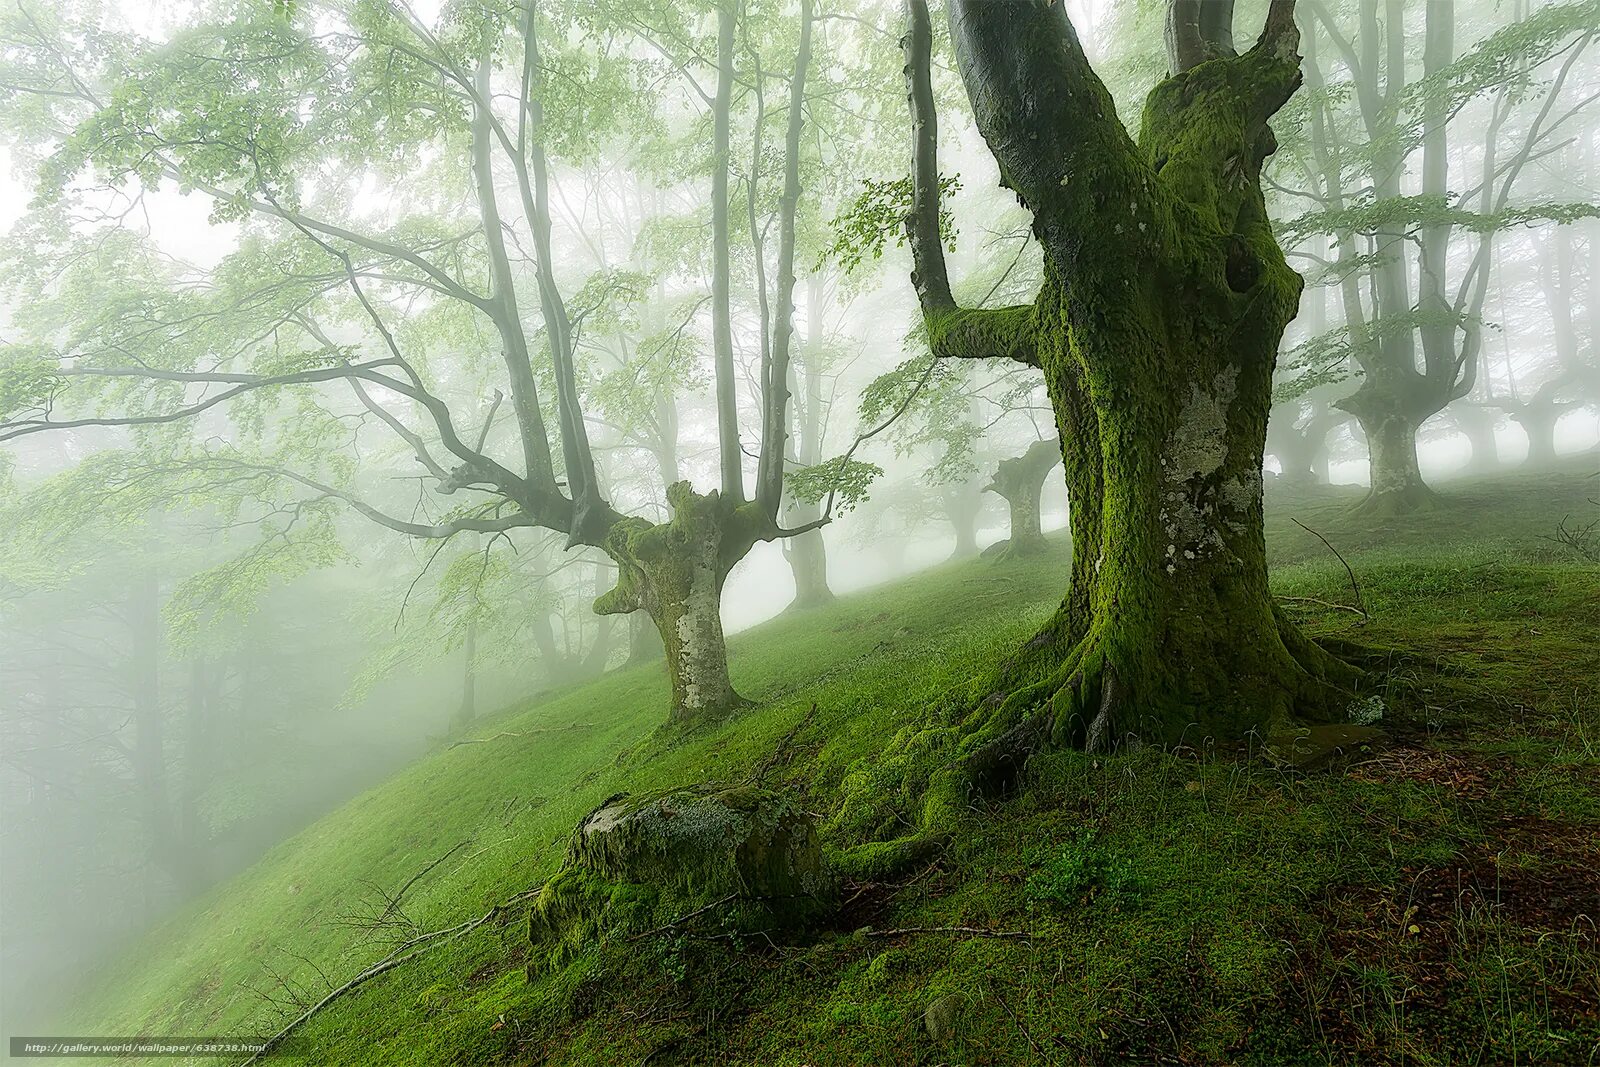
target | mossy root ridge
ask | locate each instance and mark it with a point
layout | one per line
(1094, 694)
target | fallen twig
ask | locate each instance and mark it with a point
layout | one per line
(1001, 999)
(971, 931)
(1354, 585)
(1322, 603)
(864, 886)
(417, 945)
(394, 901)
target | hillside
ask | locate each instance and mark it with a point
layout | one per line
(1427, 899)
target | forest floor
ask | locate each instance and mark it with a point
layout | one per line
(1429, 898)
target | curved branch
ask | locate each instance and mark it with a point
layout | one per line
(412, 529)
(861, 439)
(242, 383)
(952, 331)
(419, 447)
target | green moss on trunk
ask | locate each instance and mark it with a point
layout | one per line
(1157, 330)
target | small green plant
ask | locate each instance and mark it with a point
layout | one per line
(671, 955)
(1081, 868)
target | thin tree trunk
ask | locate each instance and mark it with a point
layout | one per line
(729, 453)
(808, 561)
(962, 505)
(467, 712)
(808, 553)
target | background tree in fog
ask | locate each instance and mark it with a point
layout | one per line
(280, 125)
(1406, 236)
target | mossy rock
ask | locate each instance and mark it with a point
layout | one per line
(639, 863)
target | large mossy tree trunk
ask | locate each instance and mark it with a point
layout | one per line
(1157, 331)
(1019, 481)
(674, 572)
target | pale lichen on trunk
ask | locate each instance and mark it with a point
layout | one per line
(1157, 328)
(699, 650)
(675, 572)
(1165, 298)
(1396, 484)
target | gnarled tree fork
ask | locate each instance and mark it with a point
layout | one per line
(1157, 328)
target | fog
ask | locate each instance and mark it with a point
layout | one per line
(348, 352)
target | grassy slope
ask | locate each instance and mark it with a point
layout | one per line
(1431, 900)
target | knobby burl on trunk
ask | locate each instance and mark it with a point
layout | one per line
(1156, 328)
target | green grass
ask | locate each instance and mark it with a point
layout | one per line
(1429, 900)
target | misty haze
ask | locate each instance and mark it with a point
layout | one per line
(800, 532)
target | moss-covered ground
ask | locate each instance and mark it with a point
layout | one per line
(1430, 898)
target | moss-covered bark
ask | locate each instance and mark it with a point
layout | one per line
(674, 571)
(1157, 330)
(639, 863)
(1158, 342)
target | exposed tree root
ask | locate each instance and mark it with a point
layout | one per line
(1041, 698)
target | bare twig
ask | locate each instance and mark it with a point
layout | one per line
(1322, 603)
(968, 931)
(417, 946)
(1354, 585)
(394, 901)
(1000, 998)
(1582, 537)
